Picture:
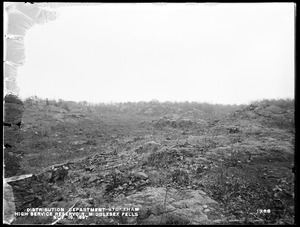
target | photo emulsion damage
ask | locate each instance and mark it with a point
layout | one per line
(149, 113)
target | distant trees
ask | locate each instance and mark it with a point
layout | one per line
(85, 103)
(33, 100)
(28, 102)
(138, 107)
(154, 101)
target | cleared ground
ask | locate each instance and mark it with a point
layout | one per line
(242, 159)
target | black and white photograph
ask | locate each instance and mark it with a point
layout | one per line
(149, 113)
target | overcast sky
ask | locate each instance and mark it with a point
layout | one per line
(223, 53)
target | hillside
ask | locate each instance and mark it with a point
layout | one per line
(174, 163)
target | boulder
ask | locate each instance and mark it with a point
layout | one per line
(148, 147)
(185, 206)
(140, 175)
(274, 110)
(233, 130)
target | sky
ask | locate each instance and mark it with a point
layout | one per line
(217, 53)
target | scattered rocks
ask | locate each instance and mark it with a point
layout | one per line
(161, 179)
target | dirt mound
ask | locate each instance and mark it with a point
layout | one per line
(270, 115)
(179, 122)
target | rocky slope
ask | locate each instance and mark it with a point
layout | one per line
(182, 168)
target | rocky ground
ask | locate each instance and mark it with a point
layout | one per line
(179, 167)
